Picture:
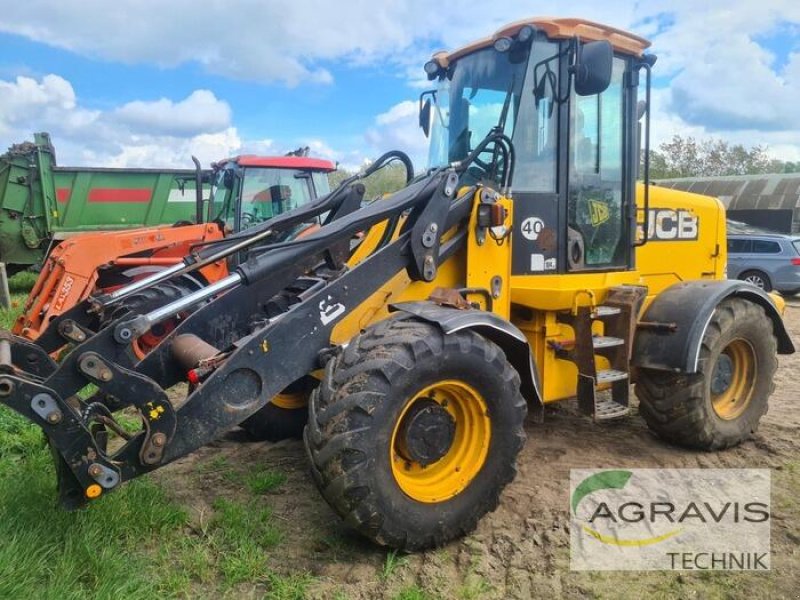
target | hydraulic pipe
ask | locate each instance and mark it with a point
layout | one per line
(190, 300)
(231, 246)
(128, 330)
(187, 264)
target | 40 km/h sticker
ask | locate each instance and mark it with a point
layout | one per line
(531, 228)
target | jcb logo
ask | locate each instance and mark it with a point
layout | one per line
(598, 212)
(667, 224)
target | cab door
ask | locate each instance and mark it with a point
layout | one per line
(599, 192)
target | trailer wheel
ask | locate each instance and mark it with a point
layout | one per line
(413, 434)
(721, 405)
(285, 416)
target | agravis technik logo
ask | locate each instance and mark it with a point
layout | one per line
(704, 519)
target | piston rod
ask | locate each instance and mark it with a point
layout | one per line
(128, 330)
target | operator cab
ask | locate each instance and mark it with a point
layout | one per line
(248, 190)
(566, 97)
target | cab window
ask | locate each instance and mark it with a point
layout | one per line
(267, 192)
(596, 237)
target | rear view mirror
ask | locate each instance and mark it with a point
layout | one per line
(425, 117)
(227, 179)
(593, 68)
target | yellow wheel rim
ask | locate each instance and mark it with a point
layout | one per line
(733, 379)
(291, 401)
(453, 472)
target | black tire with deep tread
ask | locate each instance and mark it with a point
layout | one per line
(678, 407)
(274, 423)
(353, 413)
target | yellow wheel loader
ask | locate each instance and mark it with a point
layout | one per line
(524, 267)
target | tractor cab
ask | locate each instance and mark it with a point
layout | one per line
(248, 190)
(564, 91)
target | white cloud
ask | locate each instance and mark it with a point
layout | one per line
(27, 103)
(161, 133)
(287, 41)
(398, 129)
(200, 112)
(722, 80)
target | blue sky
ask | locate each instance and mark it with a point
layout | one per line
(146, 83)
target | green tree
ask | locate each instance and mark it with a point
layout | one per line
(686, 157)
(384, 181)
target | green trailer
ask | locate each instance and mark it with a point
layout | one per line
(41, 203)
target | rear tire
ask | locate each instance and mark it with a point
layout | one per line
(365, 427)
(285, 416)
(721, 405)
(757, 278)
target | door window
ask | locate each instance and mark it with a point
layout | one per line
(595, 213)
(740, 246)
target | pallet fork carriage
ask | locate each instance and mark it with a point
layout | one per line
(428, 324)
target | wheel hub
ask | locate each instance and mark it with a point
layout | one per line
(733, 379)
(426, 433)
(723, 375)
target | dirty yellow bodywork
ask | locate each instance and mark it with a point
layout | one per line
(687, 242)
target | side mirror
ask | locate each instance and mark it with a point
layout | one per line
(593, 68)
(227, 179)
(425, 117)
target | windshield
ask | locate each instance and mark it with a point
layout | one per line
(265, 193)
(220, 195)
(489, 89)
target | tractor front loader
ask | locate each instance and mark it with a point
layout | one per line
(285, 416)
(522, 269)
(245, 192)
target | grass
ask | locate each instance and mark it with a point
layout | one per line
(96, 552)
(391, 563)
(414, 592)
(19, 285)
(258, 482)
(289, 587)
(134, 543)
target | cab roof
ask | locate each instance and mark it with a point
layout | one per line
(556, 29)
(302, 163)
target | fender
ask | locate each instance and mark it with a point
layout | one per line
(690, 306)
(498, 330)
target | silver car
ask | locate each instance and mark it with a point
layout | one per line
(770, 261)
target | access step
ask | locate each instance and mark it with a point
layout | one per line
(602, 311)
(606, 409)
(606, 341)
(610, 376)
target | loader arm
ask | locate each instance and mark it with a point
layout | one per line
(91, 314)
(252, 358)
(71, 271)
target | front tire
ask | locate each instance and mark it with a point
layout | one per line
(413, 434)
(721, 405)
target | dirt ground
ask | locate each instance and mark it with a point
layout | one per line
(522, 549)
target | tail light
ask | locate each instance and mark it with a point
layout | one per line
(796, 261)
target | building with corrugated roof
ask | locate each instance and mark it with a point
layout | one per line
(769, 201)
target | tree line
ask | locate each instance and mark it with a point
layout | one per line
(389, 179)
(679, 157)
(688, 157)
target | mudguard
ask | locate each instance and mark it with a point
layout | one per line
(494, 328)
(678, 318)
